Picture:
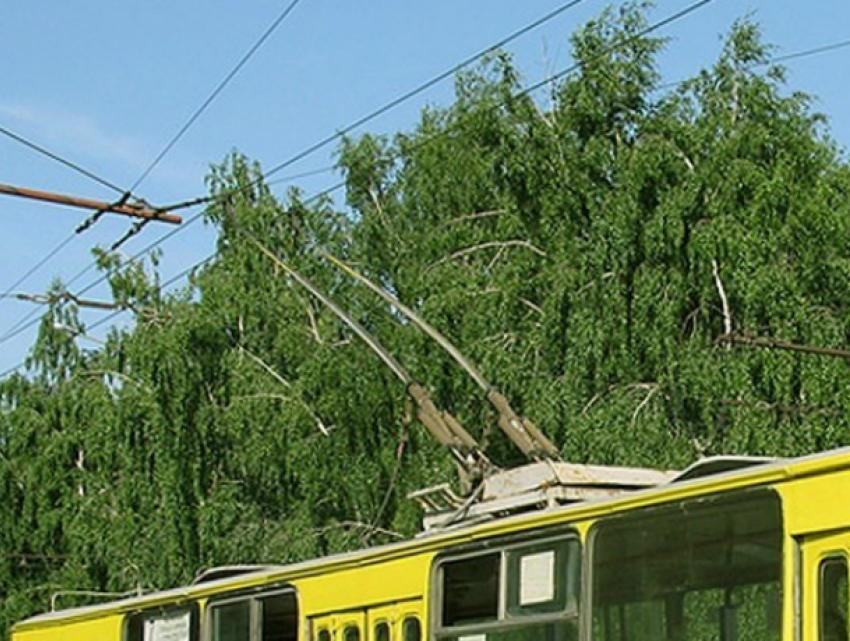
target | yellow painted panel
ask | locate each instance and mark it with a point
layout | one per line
(817, 503)
(355, 588)
(107, 628)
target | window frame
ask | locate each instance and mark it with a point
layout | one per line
(254, 598)
(505, 620)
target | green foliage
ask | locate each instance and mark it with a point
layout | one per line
(575, 249)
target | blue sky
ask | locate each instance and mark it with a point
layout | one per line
(107, 84)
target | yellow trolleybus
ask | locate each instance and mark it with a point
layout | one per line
(728, 550)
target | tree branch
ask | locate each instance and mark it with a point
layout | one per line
(727, 318)
(769, 343)
(313, 325)
(280, 379)
(481, 214)
(466, 251)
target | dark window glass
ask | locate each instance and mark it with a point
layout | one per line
(382, 631)
(411, 629)
(323, 635)
(833, 600)
(279, 618)
(351, 633)
(135, 628)
(232, 621)
(471, 590)
(702, 570)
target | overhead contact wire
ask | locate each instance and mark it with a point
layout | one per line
(216, 92)
(63, 161)
(571, 69)
(31, 271)
(125, 193)
(392, 104)
(202, 200)
(654, 27)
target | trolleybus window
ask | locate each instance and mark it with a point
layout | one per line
(279, 617)
(699, 570)
(382, 631)
(411, 629)
(471, 590)
(833, 599)
(521, 592)
(232, 621)
(351, 633)
(269, 617)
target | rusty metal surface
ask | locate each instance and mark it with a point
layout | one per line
(125, 209)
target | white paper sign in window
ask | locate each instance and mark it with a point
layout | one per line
(473, 637)
(168, 627)
(537, 578)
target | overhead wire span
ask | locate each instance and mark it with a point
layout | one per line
(207, 199)
(28, 320)
(126, 194)
(203, 200)
(22, 324)
(63, 161)
(135, 257)
(151, 246)
(552, 78)
(215, 93)
(412, 93)
(41, 263)
(527, 90)
(117, 312)
(788, 57)
(167, 283)
(655, 26)
(448, 73)
(810, 52)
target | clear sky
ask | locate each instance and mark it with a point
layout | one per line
(107, 84)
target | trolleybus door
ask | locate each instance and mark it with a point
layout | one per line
(401, 621)
(824, 567)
